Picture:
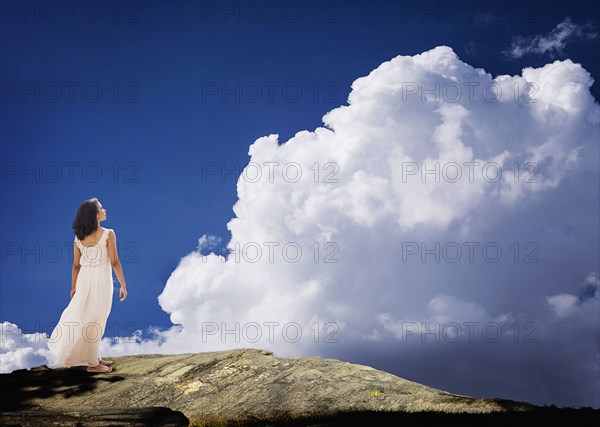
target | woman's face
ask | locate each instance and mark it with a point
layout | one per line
(101, 212)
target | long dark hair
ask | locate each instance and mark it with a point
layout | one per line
(86, 221)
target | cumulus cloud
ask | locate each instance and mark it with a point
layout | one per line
(369, 191)
(437, 194)
(554, 42)
(208, 244)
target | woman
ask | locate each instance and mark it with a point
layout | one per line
(75, 340)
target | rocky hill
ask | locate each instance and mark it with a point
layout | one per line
(236, 387)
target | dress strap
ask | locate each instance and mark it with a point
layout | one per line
(106, 233)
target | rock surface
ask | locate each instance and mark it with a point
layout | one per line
(241, 385)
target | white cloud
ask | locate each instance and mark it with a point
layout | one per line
(447, 317)
(445, 313)
(553, 43)
(593, 280)
(563, 305)
(585, 304)
(20, 350)
(445, 308)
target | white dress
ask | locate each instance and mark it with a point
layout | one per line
(75, 341)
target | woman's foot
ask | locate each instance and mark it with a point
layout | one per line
(99, 368)
(106, 362)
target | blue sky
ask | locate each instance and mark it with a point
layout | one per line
(162, 118)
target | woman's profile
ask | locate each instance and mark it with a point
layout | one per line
(75, 341)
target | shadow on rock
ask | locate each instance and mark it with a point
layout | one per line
(18, 388)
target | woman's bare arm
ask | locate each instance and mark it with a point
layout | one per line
(114, 261)
(76, 268)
